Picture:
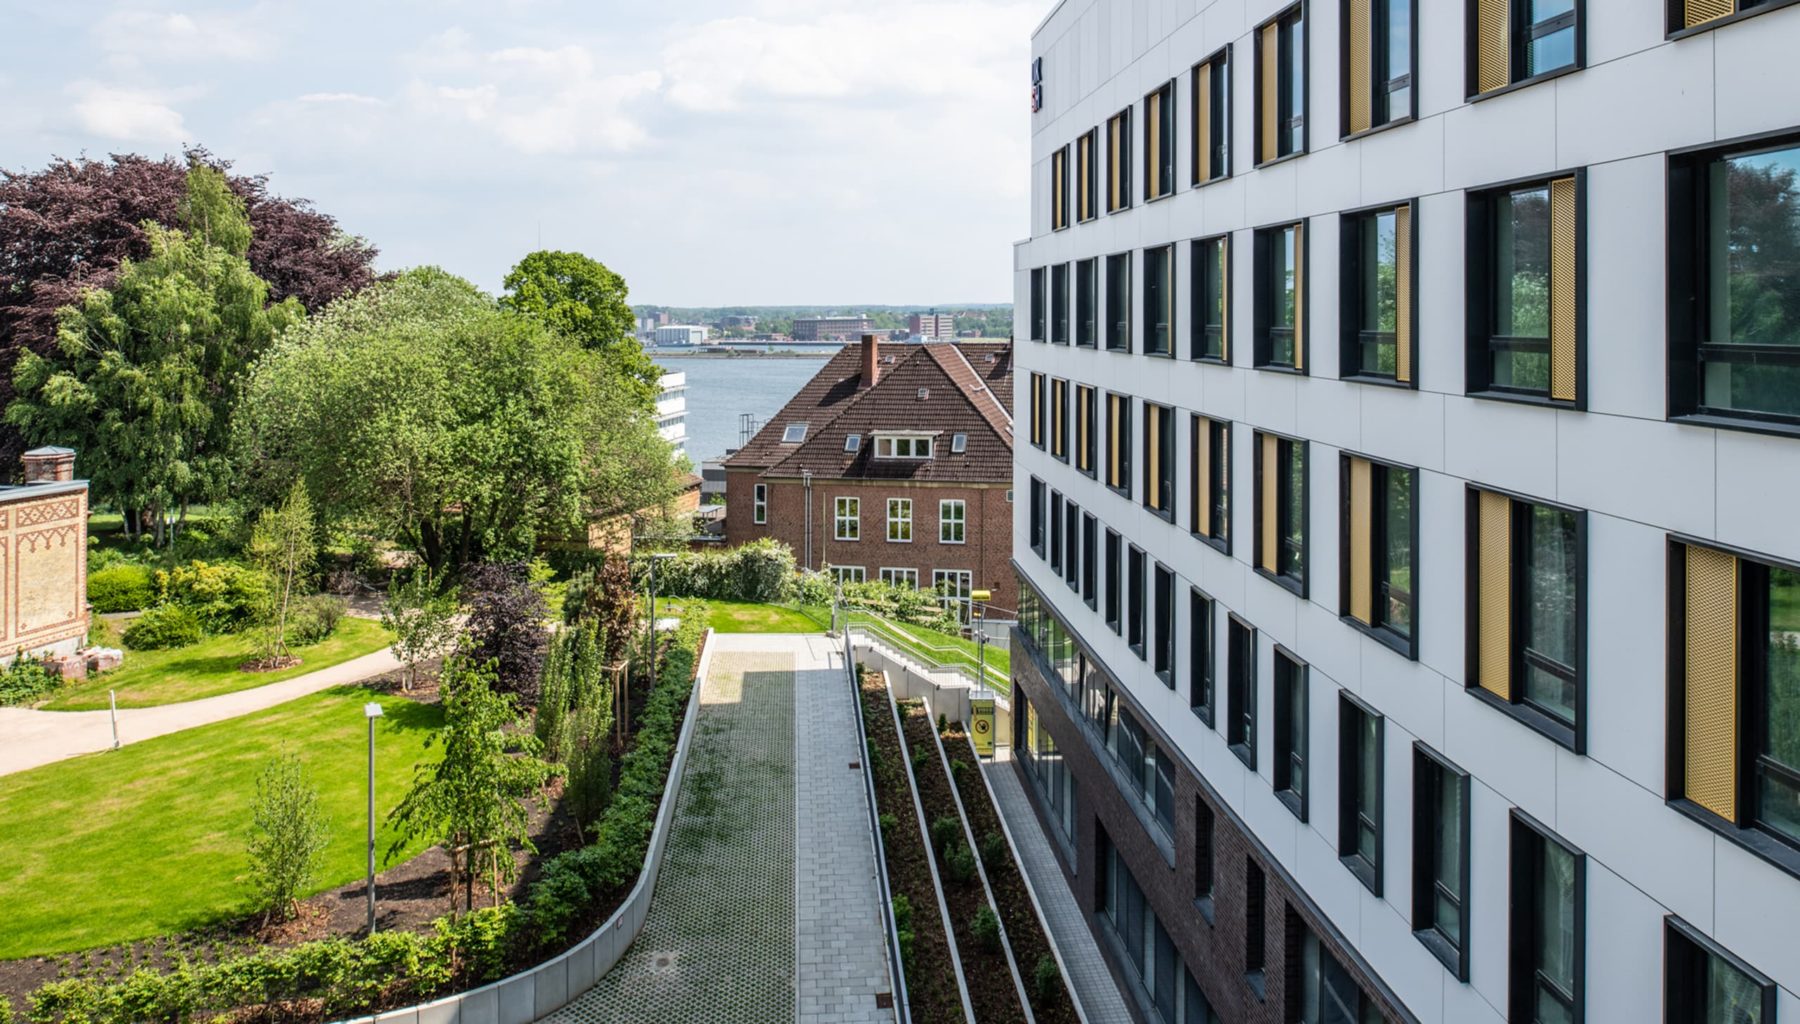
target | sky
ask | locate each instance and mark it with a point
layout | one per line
(762, 152)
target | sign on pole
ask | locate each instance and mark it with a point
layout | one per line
(981, 722)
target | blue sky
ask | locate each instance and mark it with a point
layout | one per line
(759, 152)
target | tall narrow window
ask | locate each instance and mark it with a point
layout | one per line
(1118, 443)
(1162, 628)
(1159, 460)
(1036, 410)
(1159, 301)
(1520, 40)
(1280, 320)
(1090, 562)
(1704, 984)
(759, 504)
(1200, 655)
(1059, 419)
(1281, 502)
(1378, 309)
(1324, 992)
(1212, 118)
(899, 520)
(1359, 790)
(1440, 862)
(1072, 545)
(1159, 142)
(1085, 186)
(1240, 690)
(1255, 928)
(1056, 532)
(1525, 256)
(1379, 542)
(1086, 428)
(1209, 477)
(1204, 825)
(1527, 570)
(1734, 294)
(1292, 735)
(1059, 304)
(1039, 502)
(1059, 189)
(1135, 582)
(847, 519)
(953, 521)
(1087, 303)
(1281, 85)
(1118, 302)
(1118, 161)
(1692, 14)
(1548, 940)
(1378, 63)
(1115, 587)
(1210, 335)
(1038, 309)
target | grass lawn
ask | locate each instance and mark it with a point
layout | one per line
(743, 617)
(149, 839)
(932, 646)
(210, 667)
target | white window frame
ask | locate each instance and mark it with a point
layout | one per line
(793, 433)
(959, 443)
(900, 577)
(848, 574)
(905, 447)
(960, 521)
(846, 518)
(759, 504)
(904, 520)
(962, 582)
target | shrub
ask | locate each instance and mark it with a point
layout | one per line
(222, 596)
(506, 626)
(959, 863)
(994, 853)
(287, 836)
(1046, 979)
(919, 756)
(957, 767)
(124, 587)
(761, 572)
(24, 681)
(888, 823)
(985, 926)
(943, 724)
(312, 619)
(162, 627)
(944, 832)
(903, 930)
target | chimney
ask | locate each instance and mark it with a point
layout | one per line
(49, 464)
(871, 359)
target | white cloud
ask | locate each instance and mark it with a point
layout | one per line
(131, 36)
(127, 115)
(339, 97)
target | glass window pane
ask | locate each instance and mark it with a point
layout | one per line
(1556, 915)
(1550, 608)
(1399, 57)
(1521, 287)
(1295, 56)
(1550, 50)
(1294, 518)
(1731, 996)
(1754, 278)
(1782, 739)
(1396, 609)
(1380, 293)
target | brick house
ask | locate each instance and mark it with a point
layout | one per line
(894, 462)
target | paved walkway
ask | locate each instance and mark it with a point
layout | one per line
(1087, 971)
(32, 738)
(765, 909)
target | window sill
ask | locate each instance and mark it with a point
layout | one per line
(1210, 360)
(1767, 847)
(1291, 371)
(1404, 646)
(1123, 492)
(1378, 129)
(1166, 677)
(1524, 83)
(1284, 158)
(1204, 714)
(1220, 544)
(1365, 872)
(1091, 474)
(1059, 344)
(1287, 583)
(1525, 398)
(1205, 906)
(1258, 984)
(1245, 753)
(1294, 803)
(1124, 207)
(1122, 350)
(1161, 513)
(1159, 355)
(847, 540)
(1141, 651)
(1210, 181)
(1092, 601)
(1086, 344)
(1742, 423)
(951, 542)
(1451, 957)
(1558, 732)
(1377, 381)
(1157, 199)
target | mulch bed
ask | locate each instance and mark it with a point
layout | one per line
(1024, 932)
(930, 976)
(990, 979)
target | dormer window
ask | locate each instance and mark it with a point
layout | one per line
(852, 442)
(959, 443)
(924, 393)
(903, 446)
(794, 434)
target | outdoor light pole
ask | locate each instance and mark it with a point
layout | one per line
(371, 711)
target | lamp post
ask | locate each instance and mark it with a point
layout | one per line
(660, 556)
(372, 711)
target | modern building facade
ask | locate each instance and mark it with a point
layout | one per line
(894, 462)
(931, 325)
(1410, 577)
(677, 335)
(671, 409)
(831, 328)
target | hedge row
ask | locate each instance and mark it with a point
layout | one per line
(761, 572)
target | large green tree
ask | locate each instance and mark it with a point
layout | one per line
(145, 373)
(581, 297)
(422, 410)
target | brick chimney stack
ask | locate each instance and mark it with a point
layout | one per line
(871, 361)
(49, 464)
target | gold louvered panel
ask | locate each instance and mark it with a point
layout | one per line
(1081, 430)
(1268, 513)
(1084, 163)
(1361, 504)
(1225, 299)
(1114, 472)
(1153, 438)
(1037, 409)
(1056, 419)
(1360, 83)
(1699, 12)
(1203, 497)
(1153, 158)
(1300, 296)
(1112, 157)
(1270, 95)
(1058, 172)
(1403, 286)
(1493, 55)
(1203, 123)
(1493, 600)
(1712, 691)
(1563, 269)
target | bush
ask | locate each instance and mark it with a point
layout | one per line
(1046, 979)
(985, 927)
(24, 681)
(943, 724)
(223, 597)
(121, 588)
(162, 627)
(287, 836)
(944, 831)
(312, 619)
(761, 572)
(888, 823)
(957, 767)
(959, 863)
(919, 757)
(994, 853)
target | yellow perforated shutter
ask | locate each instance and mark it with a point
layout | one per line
(1268, 516)
(1203, 123)
(1037, 409)
(1153, 415)
(1699, 12)
(1203, 498)
(1711, 699)
(1083, 460)
(1494, 596)
(1058, 172)
(1058, 418)
(1153, 152)
(1084, 169)
(1361, 502)
(1563, 271)
(1403, 290)
(1361, 43)
(1493, 47)
(1270, 94)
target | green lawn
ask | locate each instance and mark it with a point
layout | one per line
(149, 839)
(931, 646)
(743, 617)
(210, 667)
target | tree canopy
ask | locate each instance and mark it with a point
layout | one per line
(583, 299)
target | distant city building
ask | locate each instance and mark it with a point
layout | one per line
(671, 409)
(679, 334)
(736, 321)
(931, 325)
(831, 328)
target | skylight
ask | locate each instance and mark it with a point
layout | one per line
(794, 434)
(959, 443)
(852, 442)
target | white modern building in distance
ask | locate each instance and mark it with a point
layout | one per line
(1410, 626)
(671, 409)
(677, 335)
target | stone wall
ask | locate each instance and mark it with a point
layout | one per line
(43, 568)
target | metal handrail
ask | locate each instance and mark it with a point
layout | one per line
(902, 1011)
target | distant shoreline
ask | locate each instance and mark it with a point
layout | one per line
(663, 353)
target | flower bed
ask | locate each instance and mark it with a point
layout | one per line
(931, 989)
(978, 939)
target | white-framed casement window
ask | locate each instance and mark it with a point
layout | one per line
(953, 587)
(848, 573)
(903, 447)
(759, 504)
(899, 520)
(847, 519)
(953, 521)
(908, 578)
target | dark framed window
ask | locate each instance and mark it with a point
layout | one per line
(1281, 504)
(1056, 532)
(1527, 634)
(1734, 285)
(1115, 588)
(1255, 927)
(1136, 579)
(1204, 824)
(1118, 443)
(1038, 311)
(1379, 64)
(1292, 733)
(1515, 42)
(1440, 862)
(1086, 204)
(1200, 655)
(1281, 97)
(1086, 429)
(1211, 120)
(1280, 321)
(1036, 410)
(1162, 632)
(1090, 562)
(1159, 142)
(1210, 336)
(1072, 545)
(1688, 16)
(1526, 303)
(1734, 697)
(1059, 189)
(1159, 460)
(1378, 550)
(1546, 979)
(1322, 989)
(1361, 775)
(1118, 161)
(1379, 303)
(1240, 690)
(1159, 301)
(1039, 500)
(1209, 476)
(1118, 302)
(1087, 303)
(1059, 304)
(1059, 419)
(1703, 983)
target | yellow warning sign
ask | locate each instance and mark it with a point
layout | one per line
(981, 724)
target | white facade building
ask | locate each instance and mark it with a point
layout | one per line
(1483, 701)
(671, 409)
(679, 334)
